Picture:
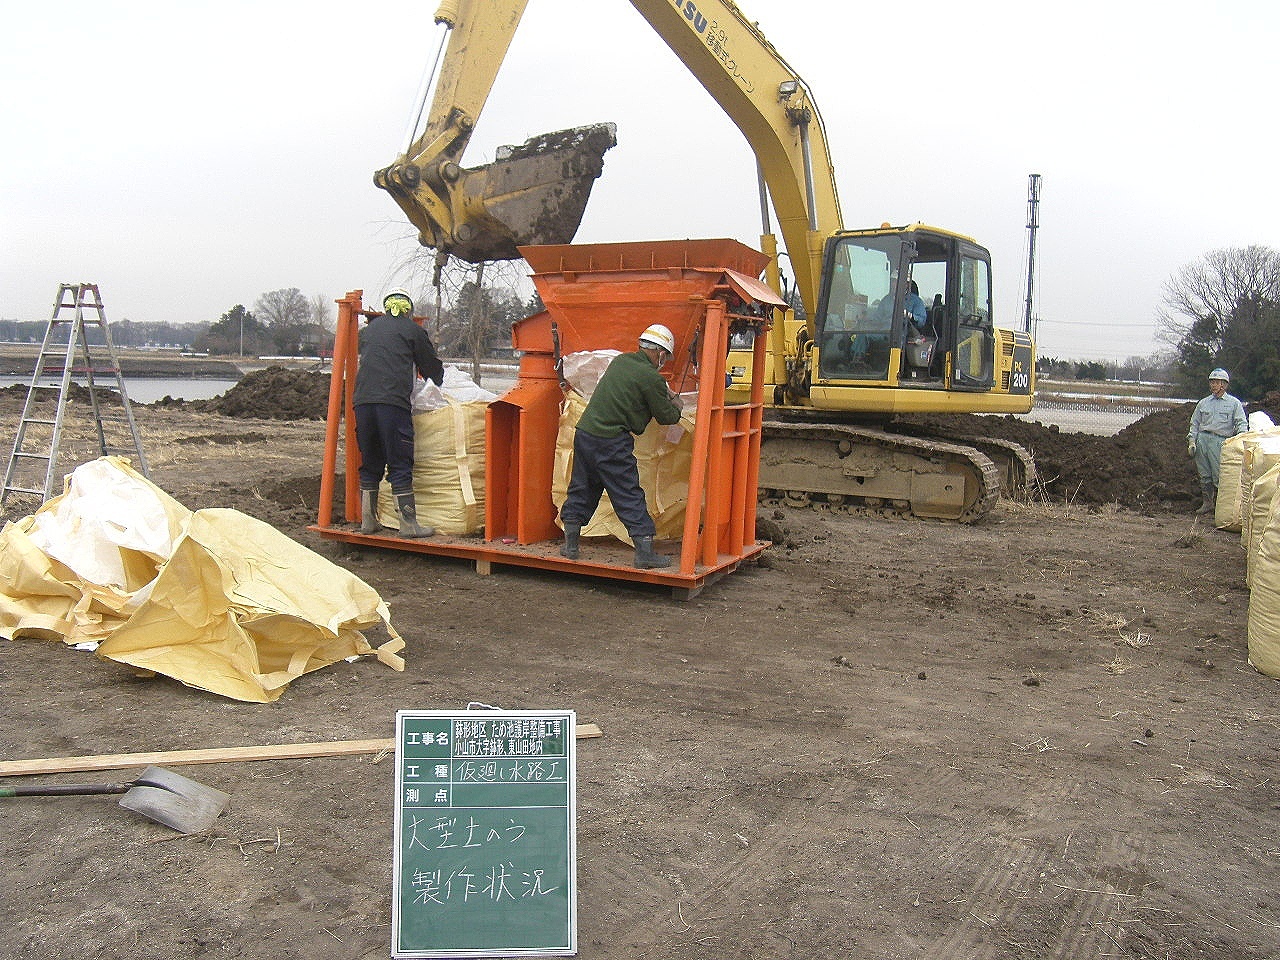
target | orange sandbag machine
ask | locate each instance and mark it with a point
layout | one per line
(599, 297)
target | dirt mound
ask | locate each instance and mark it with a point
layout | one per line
(1143, 467)
(1270, 405)
(76, 393)
(276, 393)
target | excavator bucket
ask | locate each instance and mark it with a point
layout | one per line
(534, 193)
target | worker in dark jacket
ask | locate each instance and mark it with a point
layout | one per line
(630, 394)
(392, 348)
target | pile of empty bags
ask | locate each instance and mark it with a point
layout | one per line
(213, 598)
(1248, 504)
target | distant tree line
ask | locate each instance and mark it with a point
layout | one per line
(1153, 369)
(471, 320)
(124, 333)
(282, 322)
(1223, 310)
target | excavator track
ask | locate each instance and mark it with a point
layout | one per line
(1017, 468)
(844, 466)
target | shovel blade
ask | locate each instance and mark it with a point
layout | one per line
(175, 801)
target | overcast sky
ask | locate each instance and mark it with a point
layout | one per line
(187, 157)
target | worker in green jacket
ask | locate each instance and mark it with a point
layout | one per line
(630, 394)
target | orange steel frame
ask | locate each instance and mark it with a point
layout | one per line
(597, 297)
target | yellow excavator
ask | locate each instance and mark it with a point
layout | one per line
(884, 321)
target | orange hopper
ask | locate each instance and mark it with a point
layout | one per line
(600, 297)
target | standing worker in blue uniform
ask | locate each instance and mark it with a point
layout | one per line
(392, 348)
(630, 394)
(1216, 417)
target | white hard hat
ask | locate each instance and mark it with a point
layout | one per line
(398, 292)
(1217, 373)
(656, 335)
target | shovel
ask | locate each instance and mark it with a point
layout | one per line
(158, 794)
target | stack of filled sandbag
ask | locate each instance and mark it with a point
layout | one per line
(1262, 498)
(1233, 486)
(1260, 536)
(1264, 583)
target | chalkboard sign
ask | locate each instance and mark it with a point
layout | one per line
(485, 861)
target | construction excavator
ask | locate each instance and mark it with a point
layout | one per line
(883, 321)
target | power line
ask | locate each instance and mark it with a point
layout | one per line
(1094, 323)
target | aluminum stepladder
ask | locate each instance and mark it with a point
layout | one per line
(84, 304)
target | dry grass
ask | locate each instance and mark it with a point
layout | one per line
(1106, 623)
(1119, 665)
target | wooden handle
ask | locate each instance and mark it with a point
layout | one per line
(64, 789)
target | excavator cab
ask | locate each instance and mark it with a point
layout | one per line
(906, 307)
(904, 324)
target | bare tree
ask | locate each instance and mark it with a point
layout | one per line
(1204, 297)
(286, 313)
(1222, 311)
(476, 331)
(322, 311)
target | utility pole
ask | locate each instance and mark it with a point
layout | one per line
(1033, 223)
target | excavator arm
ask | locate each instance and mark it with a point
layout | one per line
(531, 194)
(536, 193)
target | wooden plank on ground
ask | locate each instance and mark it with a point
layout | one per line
(177, 758)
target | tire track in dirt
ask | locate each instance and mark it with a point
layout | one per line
(1022, 887)
(732, 890)
(994, 900)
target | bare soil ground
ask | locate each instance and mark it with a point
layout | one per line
(1034, 737)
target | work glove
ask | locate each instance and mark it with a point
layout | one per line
(1191, 448)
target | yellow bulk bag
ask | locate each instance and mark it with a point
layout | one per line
(1226, 512)
(215, 598)
(1261, 501)
(241, 610)
(1264, 598)
(1259, 453)
(73, 569)
(664, 455)
(448, 470)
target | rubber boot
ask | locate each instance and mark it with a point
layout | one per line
(571, 533)
(369, 511)
(1210, 499)
(646, 559)
(408, 510)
